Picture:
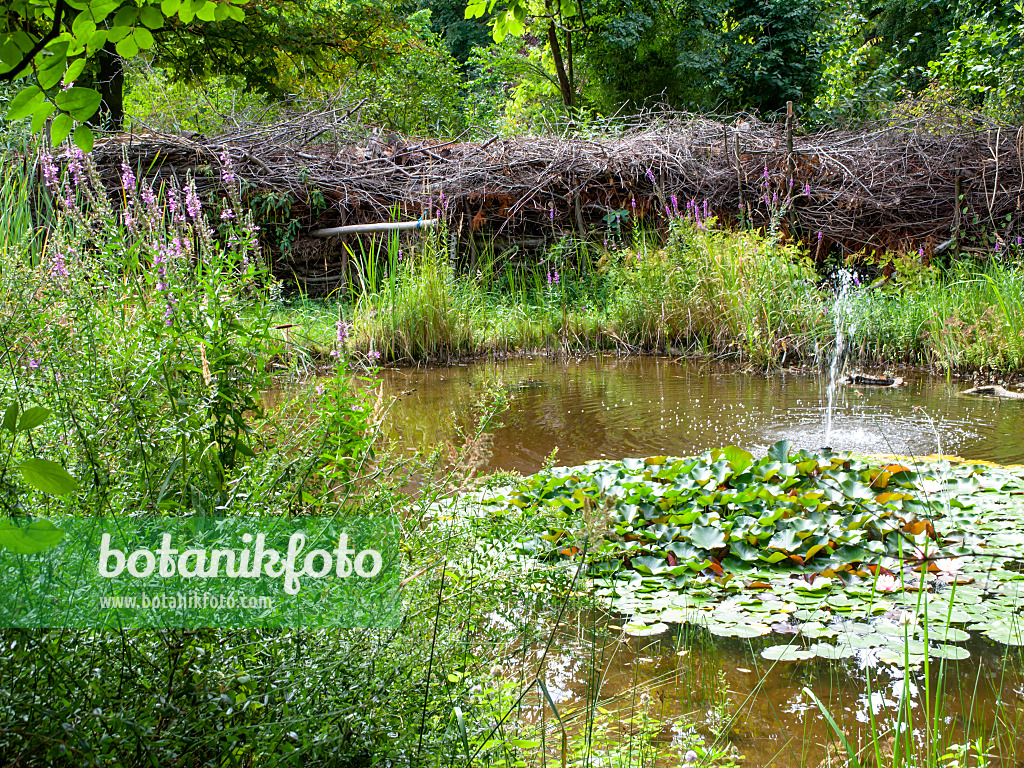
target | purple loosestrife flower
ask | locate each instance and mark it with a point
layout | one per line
(790, 182)
(127, 177)
(549, 278)
(399, 255)
(57, 266)
(920, 251)
(706, 212)
(650, 175)
(192, 202)
(775, 197)
(556, 277)
(807, 190)
(373, 355)
(227, 173)
(33, 363)
(820, 235)
(1020, 240)
(668, 213)
(227, 214)
(997, 246)
(675, 204)
(149, 198)
(551, 213)
(632, 204)
(75, 165)
(50, 174)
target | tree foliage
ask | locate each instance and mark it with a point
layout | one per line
(46, 45)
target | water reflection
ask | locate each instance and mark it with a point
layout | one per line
(711, 682)
(608, 407)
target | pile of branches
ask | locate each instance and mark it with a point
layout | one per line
(925, 180)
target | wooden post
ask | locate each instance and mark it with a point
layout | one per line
(739, 172)
(790, 160)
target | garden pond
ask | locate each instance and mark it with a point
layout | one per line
(770, 580)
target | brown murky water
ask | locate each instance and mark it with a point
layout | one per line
(608, 407)
(613, 408)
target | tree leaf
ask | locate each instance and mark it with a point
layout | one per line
(40, 115)
(152, 18)
(25, 102)
(207, 12)
(37, 536)
(143, 38)
(48, 476)
(127, 48)
(74, 70)
(80, 103)
(60, 128)
(170, 7)
(84, 138)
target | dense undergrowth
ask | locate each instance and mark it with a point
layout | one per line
(701, 291)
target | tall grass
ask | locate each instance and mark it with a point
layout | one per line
(703, 291)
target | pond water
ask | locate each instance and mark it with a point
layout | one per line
(606, 407)
(707, 681)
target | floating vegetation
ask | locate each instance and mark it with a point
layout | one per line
(843, 556)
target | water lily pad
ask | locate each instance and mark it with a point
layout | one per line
(787, 653)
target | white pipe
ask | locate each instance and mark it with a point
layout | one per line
(382, 227)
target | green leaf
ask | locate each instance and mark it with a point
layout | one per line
(84, 138)
(60, 128)
(152, 18)
(126, 16)
(10, 53)
(787, 653)
(207, 12)
(220, 12)
(707, 537)
(117, 34)
(524, 743)
(779, 451)
(37, 536)
(48, 476)
(235, 13)
(74, 70)
(127, 48)
(80, 103)
(25, 102)
(40, 115)
(51, 71)
(143, 38)
(10, 422)
(32, 418)
(461, 721)
(170, 7)
(83, 27)
(738, 458)
(100, 9)
(185, 13)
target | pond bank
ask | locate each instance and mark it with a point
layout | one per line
(714, 294)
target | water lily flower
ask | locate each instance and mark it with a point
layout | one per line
(886, 582)
(949, 565)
